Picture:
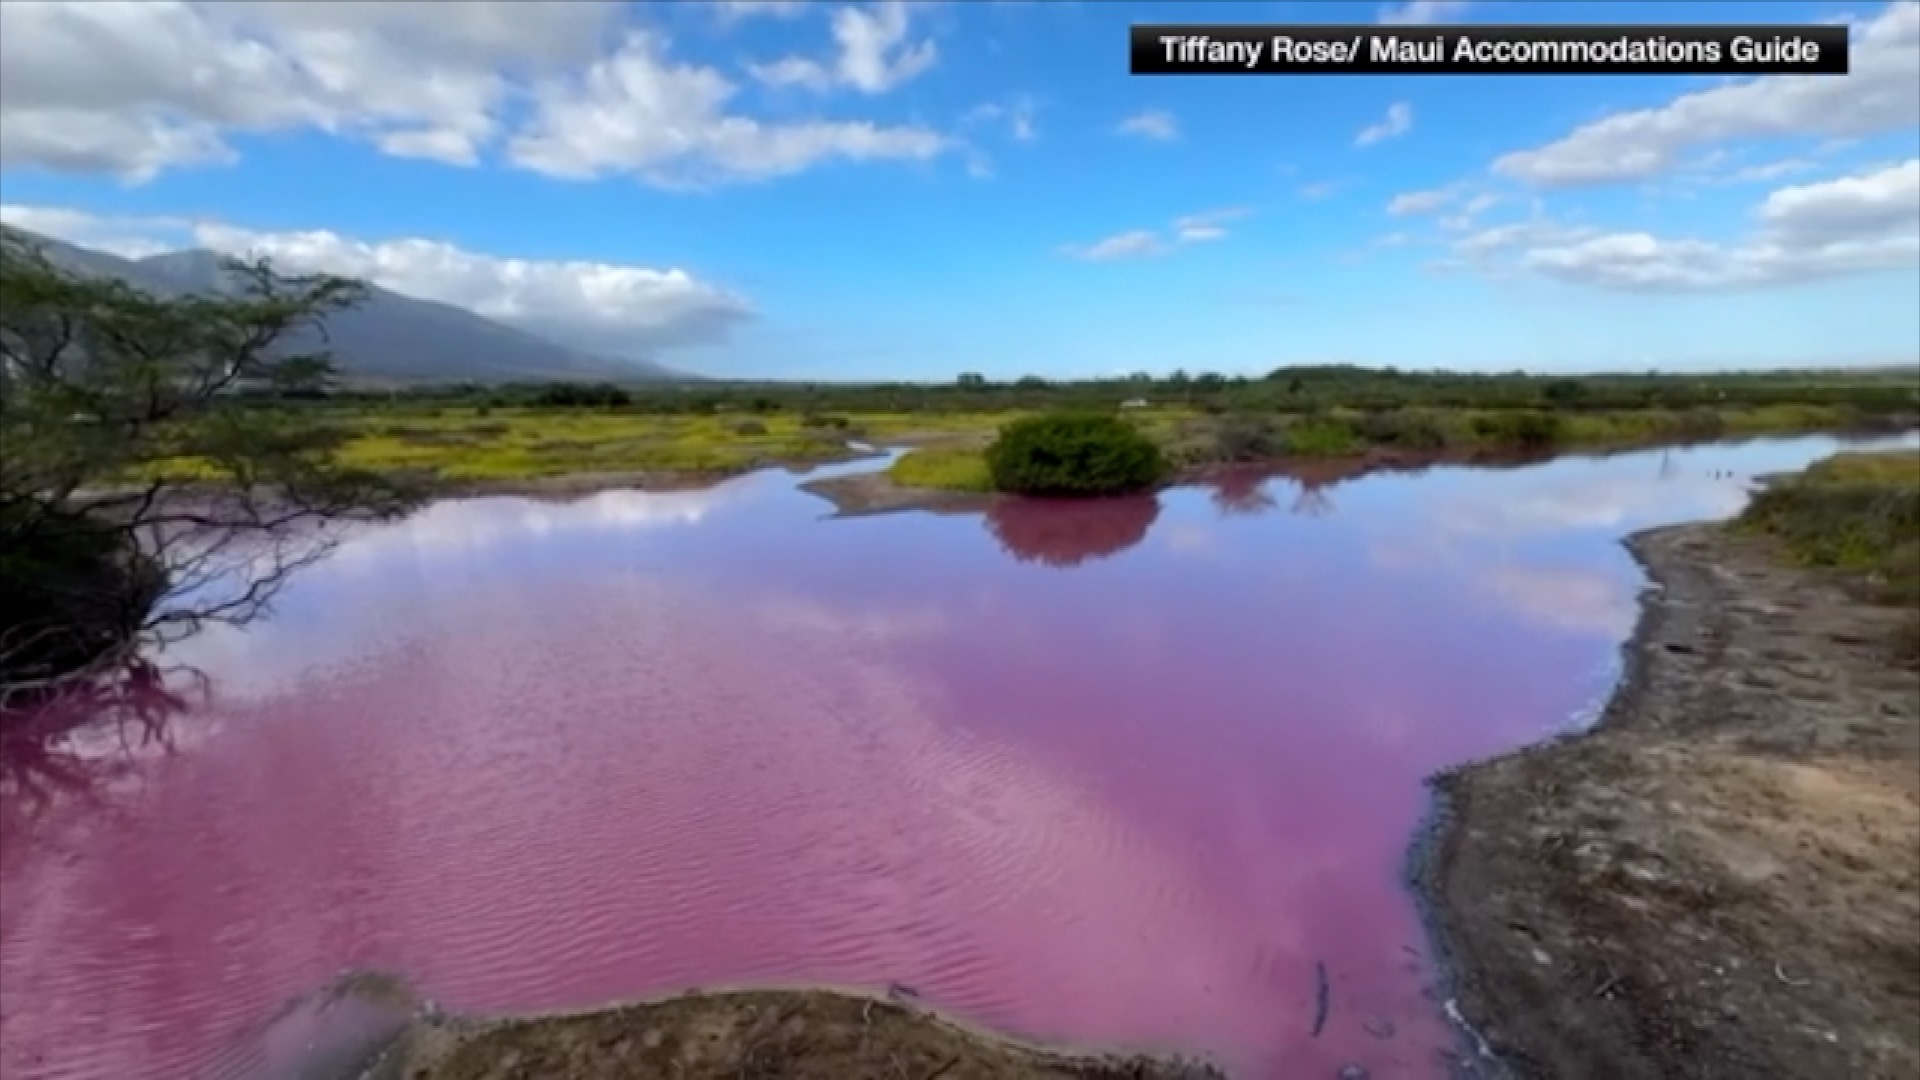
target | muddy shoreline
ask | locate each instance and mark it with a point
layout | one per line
(1721, 878)
(806, 1032)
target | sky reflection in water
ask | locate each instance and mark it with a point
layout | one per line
(1130, 784)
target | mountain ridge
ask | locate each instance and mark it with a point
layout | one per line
(389, 336)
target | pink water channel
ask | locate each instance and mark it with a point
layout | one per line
(1130, 774)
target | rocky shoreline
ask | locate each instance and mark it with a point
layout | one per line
(1722, 877)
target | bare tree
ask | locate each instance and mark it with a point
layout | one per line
(156, 471)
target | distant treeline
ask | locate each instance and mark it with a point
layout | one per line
(1291, 389)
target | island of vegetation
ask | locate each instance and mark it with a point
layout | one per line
(1722, 878)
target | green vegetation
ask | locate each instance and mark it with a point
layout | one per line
(978, 405)
(573, 395)
(1858, 513)
(944, 468)
(1074, 453)
(464, 437)
(99, 380)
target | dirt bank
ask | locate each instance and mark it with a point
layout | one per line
(799, 1034)
(1723, 878)
(861, 494)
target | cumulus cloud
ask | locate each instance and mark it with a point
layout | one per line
(1881, 93)
(636, 111)
(1141, 243)
(873, 54)
(1151, 124)
(638, 306)
(133, 88)
(1854, 224)
(132, 237)
(1397, 122)
(136, 88)
(1424, 12)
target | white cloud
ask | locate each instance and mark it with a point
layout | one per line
(1520, 235)
(1880, 93)
(1424, 12)
(136, 88)
(1769, 170)
(874, 54)
(646, 305)
(1469, 212)
(1151, 124)
(1480, 203)
(1017, 115)
(1126, 245)
(1421, 202)
(1142, 243)
(129, 237)
(669, 124)
(1195, 228)
(1870, 221)
(1318, 190)
(1862, 205)
(1196, 233)
(133, 88)
(645, 298)
(1397, 122)
(1572, 600)
(734, 10)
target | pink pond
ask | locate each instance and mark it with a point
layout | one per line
(1128, 774)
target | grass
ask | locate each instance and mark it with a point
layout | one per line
(463, 444)
(1857, 512)
(943, 468)
(479, 444)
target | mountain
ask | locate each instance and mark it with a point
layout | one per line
(387, 336)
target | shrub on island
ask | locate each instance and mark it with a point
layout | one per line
(1075, 454)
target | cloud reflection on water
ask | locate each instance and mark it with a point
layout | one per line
(468, 525)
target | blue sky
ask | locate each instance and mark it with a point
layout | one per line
(828, 191)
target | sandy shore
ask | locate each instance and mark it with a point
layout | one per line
(1722, 879)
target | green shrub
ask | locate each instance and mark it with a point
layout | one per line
(1073, 454)
(575, 395)
(1857, 512)
(1405, 428)
(1247, 437)
(1518, 428)
(1323, 436)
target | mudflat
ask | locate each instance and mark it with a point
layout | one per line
(797, 1034)
(1722, 878)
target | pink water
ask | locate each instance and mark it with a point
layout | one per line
(1131, 786)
